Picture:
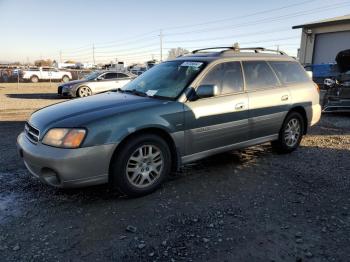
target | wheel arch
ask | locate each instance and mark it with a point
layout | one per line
(65, 75)
(301, 110)
(154, 131)
(34, 76)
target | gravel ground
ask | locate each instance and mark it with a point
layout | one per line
(247, 205)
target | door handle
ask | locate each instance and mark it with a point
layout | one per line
(239, 106)
(285, 98)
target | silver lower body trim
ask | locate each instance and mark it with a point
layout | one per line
(252, 142)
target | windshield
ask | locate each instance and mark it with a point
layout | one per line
(92, 76)
(167, 79)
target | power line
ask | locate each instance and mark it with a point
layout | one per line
(243, 43)
(128, 38)
(128, 49)
(264, 20)
(225, 37)
(132, 53)
(243, 16)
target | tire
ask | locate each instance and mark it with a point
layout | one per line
(65, 79)
(288, 141)
(84, 91)
(34, 79)
(5, 78)
(136, 175)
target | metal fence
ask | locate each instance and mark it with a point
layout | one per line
(10, 75)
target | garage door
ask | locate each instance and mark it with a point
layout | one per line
(328, 45)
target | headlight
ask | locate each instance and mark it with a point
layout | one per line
(67, 88)
(64, 137)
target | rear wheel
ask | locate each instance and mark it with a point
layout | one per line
(34, 79)
(84, 91)
(65, 79)
(141, 165)
(290, 134)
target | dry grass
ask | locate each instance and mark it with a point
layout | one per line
(18, 102)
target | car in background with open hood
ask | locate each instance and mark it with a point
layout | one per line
(337, 97)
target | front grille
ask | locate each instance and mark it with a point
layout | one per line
(32, 132)
(59, 90)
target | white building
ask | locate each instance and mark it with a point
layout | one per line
(322, 40)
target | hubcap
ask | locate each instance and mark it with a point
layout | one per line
(292, 132)
(144, 166)
(84, 91)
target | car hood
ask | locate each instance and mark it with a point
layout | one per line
(77, 112)
(71, 83)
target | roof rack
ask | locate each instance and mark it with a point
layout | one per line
(238, 49)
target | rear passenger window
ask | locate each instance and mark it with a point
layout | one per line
(121, 75)
(258, 75)
(110, 75)
(289, 72)
(227, 77)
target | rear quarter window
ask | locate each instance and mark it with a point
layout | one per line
(289, 72)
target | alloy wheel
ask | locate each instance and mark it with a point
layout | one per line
(292, 132)
(84, 91)
(144, 166)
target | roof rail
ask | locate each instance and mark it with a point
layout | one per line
(237, 49)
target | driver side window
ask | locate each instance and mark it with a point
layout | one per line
(227, 77)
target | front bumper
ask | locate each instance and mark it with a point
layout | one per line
(66, 167)
(63, 92)
(337, 105)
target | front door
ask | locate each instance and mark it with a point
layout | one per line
(212, 123)
(105, 82)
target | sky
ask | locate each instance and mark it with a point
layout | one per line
(129, 31)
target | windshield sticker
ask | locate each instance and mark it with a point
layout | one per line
(151, 92)
(192, 64)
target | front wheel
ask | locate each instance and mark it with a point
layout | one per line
(34, 79)
(84, 91)
(290, 134)
(141, 165)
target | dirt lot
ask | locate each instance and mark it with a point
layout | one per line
(247, 205)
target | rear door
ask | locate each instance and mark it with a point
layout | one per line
(269, 101)
(45, 73)
(222, 120)
(122, 80)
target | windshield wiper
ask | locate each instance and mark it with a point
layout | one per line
(132, 91)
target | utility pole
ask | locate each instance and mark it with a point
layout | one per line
(60, 56)
(161, 45)
(93, 53)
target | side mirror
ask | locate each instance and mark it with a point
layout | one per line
(329, 83)
(205, 91)
(99, 78)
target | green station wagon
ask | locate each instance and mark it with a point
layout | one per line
(208, 102)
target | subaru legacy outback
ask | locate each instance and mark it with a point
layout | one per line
(208, 102)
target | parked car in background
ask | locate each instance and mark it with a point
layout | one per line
(94, 83)
(46, 73)
(10, 73)
(337, 96)
(177, 112)
(137, 72)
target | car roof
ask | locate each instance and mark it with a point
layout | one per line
(259, 53)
